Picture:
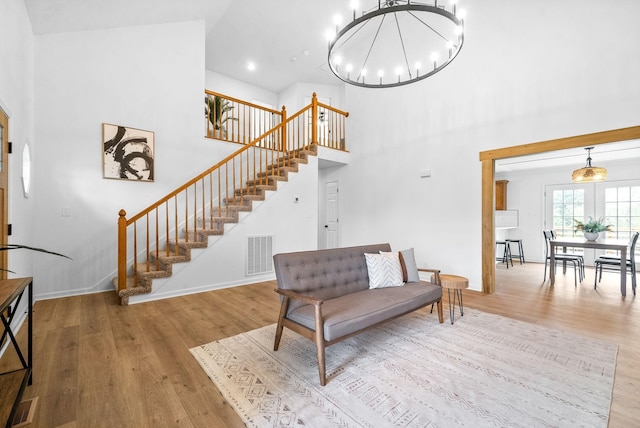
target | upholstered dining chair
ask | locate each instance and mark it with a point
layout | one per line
(576, 261)
(610, 263)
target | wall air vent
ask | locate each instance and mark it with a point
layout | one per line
(259, 255)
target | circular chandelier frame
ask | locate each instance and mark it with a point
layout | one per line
(392, 7)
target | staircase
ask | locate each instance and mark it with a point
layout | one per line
(167, 231)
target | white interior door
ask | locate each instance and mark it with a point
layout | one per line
(331, 229)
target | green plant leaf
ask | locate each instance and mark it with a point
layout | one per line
(26, 247)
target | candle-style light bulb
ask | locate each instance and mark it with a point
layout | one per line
(398, 71)
(434, 58)
(329, 34)
(354, 7)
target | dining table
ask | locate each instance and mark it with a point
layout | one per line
(602, 244)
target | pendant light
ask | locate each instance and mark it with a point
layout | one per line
(589, 173)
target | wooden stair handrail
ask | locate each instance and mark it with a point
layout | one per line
(273, 147)
(204, 174)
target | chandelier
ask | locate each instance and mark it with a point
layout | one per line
(589, 173)
(395, 43)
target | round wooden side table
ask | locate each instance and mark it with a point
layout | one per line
(457, 284)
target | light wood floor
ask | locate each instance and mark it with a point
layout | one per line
(101, 365)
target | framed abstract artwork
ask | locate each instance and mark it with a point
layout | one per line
(128, 153)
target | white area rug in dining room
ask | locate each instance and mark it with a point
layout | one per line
(484, 370)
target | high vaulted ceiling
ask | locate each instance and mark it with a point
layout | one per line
(284, 38)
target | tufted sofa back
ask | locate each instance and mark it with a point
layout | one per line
(325, 274)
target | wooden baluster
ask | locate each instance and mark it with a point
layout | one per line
(314, 119)
(157, 241)
(122, 250)
(283, 131)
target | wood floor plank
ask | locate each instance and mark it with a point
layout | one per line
(198, 395)
(55, 378)
(100, 364)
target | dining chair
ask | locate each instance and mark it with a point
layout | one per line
(561, 258)
(579, 256)
(613, 264)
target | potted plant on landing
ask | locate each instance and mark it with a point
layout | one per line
(217, 109)
(592, 228)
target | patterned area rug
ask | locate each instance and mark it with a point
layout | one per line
(484, 370)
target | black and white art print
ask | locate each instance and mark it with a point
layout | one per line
(128, 153)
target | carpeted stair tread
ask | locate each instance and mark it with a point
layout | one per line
(269, 180)
(210, 232)
(165, 259)
(218, 220)
(185, 245)
(283, 169)
(271, 176)
(228, 210)
(254, 195)
(150, 270)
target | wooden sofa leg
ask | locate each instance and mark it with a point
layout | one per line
(320, 345)
(440, 317)
(283, 311)
(279, 329)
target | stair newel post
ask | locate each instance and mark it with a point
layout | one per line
(283, 130)
(122, 250)
(314, 119)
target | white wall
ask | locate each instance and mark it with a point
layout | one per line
(149, 77)
(298, 95)
(225, 85)
(16, 99)
(529, 71)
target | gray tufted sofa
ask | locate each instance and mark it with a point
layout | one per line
(325, 296)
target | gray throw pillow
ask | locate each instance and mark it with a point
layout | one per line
(409, 266)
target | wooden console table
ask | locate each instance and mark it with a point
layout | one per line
(13, 383)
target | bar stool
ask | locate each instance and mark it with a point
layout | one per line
(520, 255)
(506, 255)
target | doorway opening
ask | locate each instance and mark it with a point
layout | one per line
(488, 159)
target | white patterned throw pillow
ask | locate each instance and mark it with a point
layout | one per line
(408, 265)
(384, 270)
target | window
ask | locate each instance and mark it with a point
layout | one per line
(567, 206)
(617, 201)
(622, 209)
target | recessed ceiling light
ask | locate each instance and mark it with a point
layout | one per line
(251, 66)
(305, 52)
